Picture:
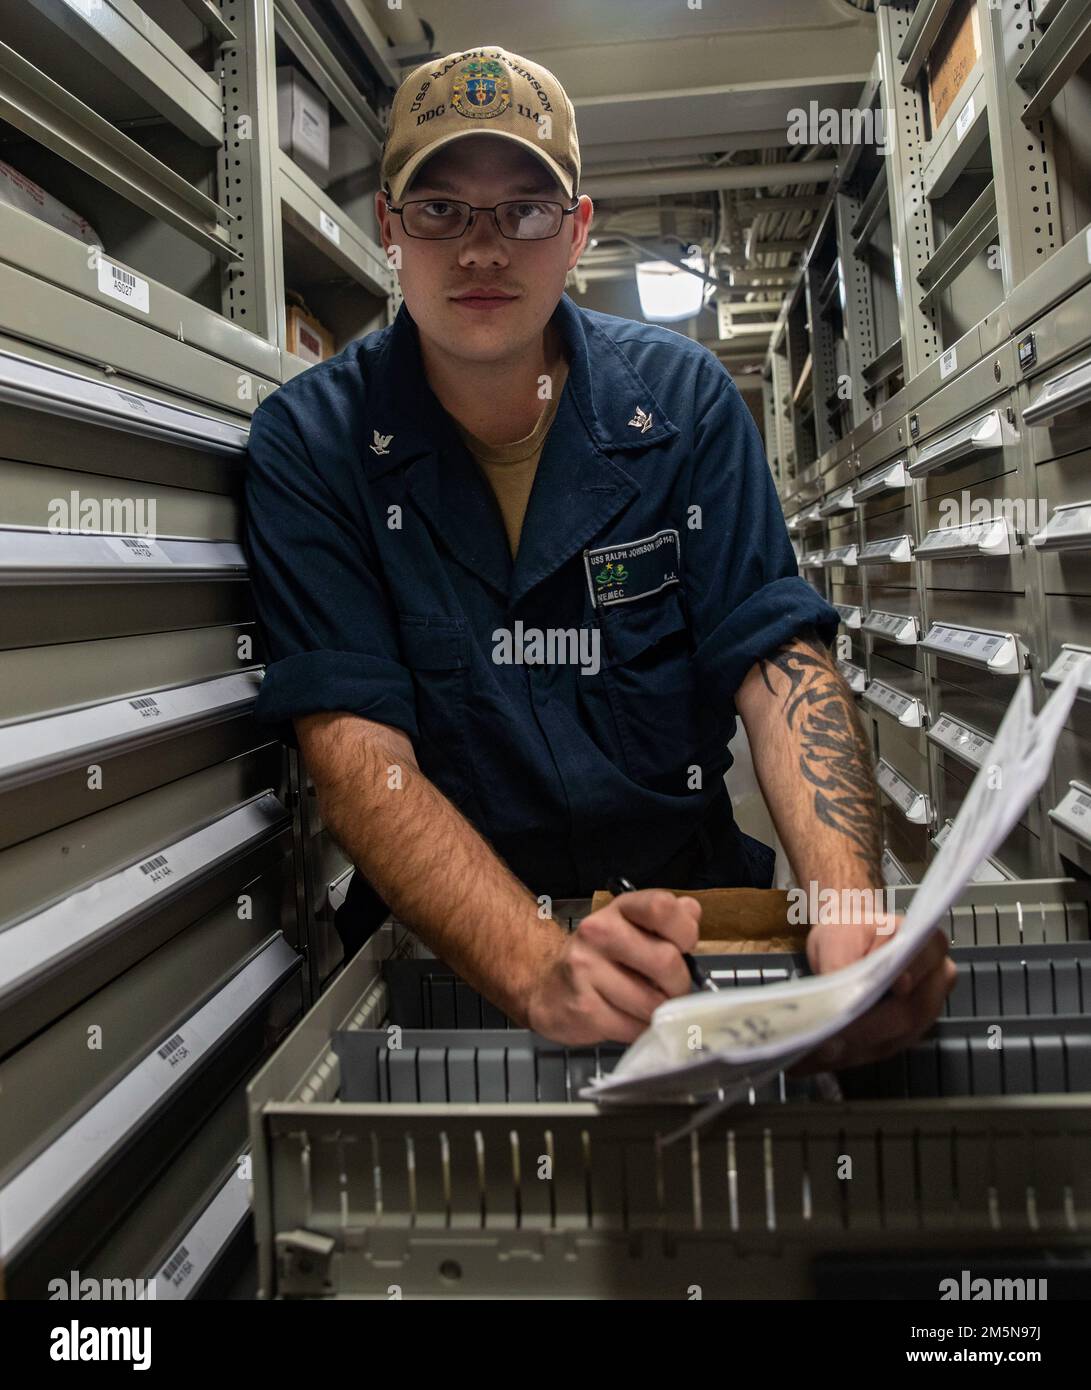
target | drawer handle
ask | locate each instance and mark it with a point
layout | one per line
(983, 538)
(1074, 812)
(1069, 528)
(914, 805)
(1064, 393)
(999, 653)
(889, 478)
(979, 436)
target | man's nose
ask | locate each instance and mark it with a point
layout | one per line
(482, 243)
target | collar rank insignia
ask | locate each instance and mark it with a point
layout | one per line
(641, 420)
(381, 441)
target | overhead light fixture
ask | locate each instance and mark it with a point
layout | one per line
(668, 293)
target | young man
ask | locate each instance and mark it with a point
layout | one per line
(519, 566)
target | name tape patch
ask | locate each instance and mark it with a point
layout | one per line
(632, 569)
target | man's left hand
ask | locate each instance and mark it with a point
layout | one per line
(901, 1017)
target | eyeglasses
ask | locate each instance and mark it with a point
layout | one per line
(442, 219)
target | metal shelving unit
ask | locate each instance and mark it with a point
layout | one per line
(977, 395)
(156, 851)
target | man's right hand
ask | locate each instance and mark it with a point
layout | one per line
(612, 973)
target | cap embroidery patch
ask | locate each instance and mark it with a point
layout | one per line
(481, 89)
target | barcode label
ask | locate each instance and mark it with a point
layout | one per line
(328, 227)
(175, 1262)
(171, 1045)
(137, 549)
(962, 125)
(123, 285)
(157, 868)
(948, 363)
(147, 707)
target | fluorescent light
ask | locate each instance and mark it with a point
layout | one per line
(667, 293)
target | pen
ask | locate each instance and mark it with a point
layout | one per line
(826, 1082)
(618, 885)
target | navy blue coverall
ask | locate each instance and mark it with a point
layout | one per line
(653, 544)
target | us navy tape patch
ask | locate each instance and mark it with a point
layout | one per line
(632, 569)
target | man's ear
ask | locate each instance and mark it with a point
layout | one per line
(382, 217)
(581, 229)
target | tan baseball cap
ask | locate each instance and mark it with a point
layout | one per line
(483, 91)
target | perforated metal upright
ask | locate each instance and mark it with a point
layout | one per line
(860, 335)
(824, 373)
(253, 291)
(906, 137)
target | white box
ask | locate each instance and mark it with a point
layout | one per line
(303, 122)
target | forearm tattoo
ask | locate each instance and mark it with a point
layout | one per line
(835, 757)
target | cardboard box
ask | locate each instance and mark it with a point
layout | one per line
(738, 920)
(17, 191)
(306, 337)
(303, 123)
(952, 58)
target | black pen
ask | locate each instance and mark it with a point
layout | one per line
(618, 885)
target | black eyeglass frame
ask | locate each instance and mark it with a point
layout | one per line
(458, 202)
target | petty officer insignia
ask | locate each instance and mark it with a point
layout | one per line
(481, 89)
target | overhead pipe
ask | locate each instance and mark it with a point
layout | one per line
(704, 179)
(757, 306)
(754, 207)
(774, 248)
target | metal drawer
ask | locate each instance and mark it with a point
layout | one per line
(904, 679)
(886, 443)
(1063, 434)
(908, 844)
(977, 709)
(1065, 538)
(904, 750)
(1072, 761)
(1022, 851)
(888, 525)
(1068, 622)
(879, 489)
(848, 595)
(983, 388)
(980, 611)
(976, 553)
(1070, 815)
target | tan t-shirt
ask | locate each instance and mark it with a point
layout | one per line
(510, 468)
